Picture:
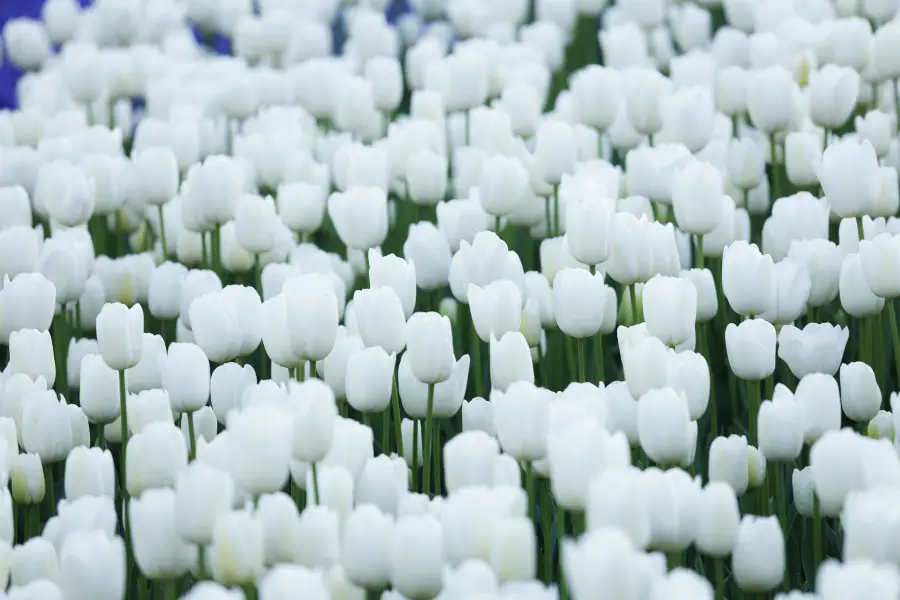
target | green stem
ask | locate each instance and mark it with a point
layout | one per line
(699, 261)
(436, 453)
(162, 232)
(578, 522)
(556, 227)
(386, 431)
(753, 402)
(257, 273)
(100, 441)
(547, 532)
(192, 436)
(476, 363)
(216, 249)
(776, 175)
(170, 589)
(395, 403)
(817, 535)
(719, 568)
(426, 441)
(49, 495)
(632, 293)
(581, 367)
(560, 536)
(315, 478)
(204, 247)
(895, 336)
(598, 357)
(528, 469)
(413, 473)
(250, 592)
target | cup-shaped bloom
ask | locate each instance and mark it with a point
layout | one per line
(360, 216)
(746, 163)
(314, 421)
(427, 248)
(751, 349)
(697, 193)
(448, 394)
(717, 530)
(665, 428)
(856, 297)
(496, 308)
(781, 426)
(301, 205)
(822, 259)
(817, 348)
(555, 150)
(577, 453)
(92, 566)
(758, 557)
(370, 378)
(791, 286)
(156, 169)
(226, 388)
(26, 302)
(89, 472)
(395, 273)
(770, 99)
(430, 347)
(146, 374)
(314, 322)
(880, 259)
(255, 220)
(186, 377)
(159, 550)
(366, 533)
(521, 417)
(860, 394)
(670, 309)
(603, 561)
(215, 327)
(120, 332)
(747, 278)
(33, 561)
(155, 457)
(31, 354)
(820, 399)
(164, 293)
(46, 427)
(416, 556)
(833, 92)
(849, 177)
(728, 462)
(588, 229)
(259, 445)
(202, 494)
(379, 318)
(510, 360)
(26, 479)
(99, 390)
(579, 299)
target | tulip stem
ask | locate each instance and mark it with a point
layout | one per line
(315, 478)
(216, 248)
(192, 436)
(598, 358)
(436, 452)
(100, 441)
(413, 473)
(426, 441)
(776, 176)
(476, 361)
(581, 368)
(257, 273)
(719, 581)
(398, 421)
(169, 589)
(528, 471)
(632, 294)
(560, 536)
(49, 496)
(162, 232)
(753, 402)
(698, 255)
(386, 431)
(816, 536)
(547, 531)
(895, 335)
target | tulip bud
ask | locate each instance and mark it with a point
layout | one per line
(578, 302)
(427, 249)
(186, 377)
(430, 347)
(92, 566)
(664, 426)
(759, 555)
(833, 92)
(819, 396)
(416, 557)
(156, 170)
(159, 550)
(856, 297)
(717, 531)
(751, 349)
(154, 458)
(850, 196)
(360, 216)
(31, 354)
(510, 361)
(670, 309)
(770, 98)
(728, 462)
(817, 348)
(860, 394)
(120, 335)
(371, 382)
(26, 302)
(747, 277)
(237, 530)
(260, 446)
(89, 472)
(27, 479)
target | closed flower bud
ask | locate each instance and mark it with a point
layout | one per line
(664, 426)
(120, 335)
(27, 479)
(554, 150)
(360, 216)
(416, 557)
(159, 551)
(89, 472)
(92, 566)
(817, 348)
(165, 290)
(26, 302)
(427, 249)
(430, 347)
(882, 426)
(717, 531)
(99, 390)
(747, 278)
(366, 533)
(155, 457)
(802, 157)
(819, 397)
(850, 196)
(746, 163)
(833, 92)
(301, 205)
(202, 494)
(520, 418)
(770, 99)
(759, 555)
(751, 349)
(860, 394)
(426, 177)
(579, 299)
(33, 561)
(31, 354)
(856, 297)
(697, 192)
(670, 309)
(510, 360)
(237, 552)
(186, 377)
(371, 379)
(728, 462)
(781, 426)
(588, 228)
